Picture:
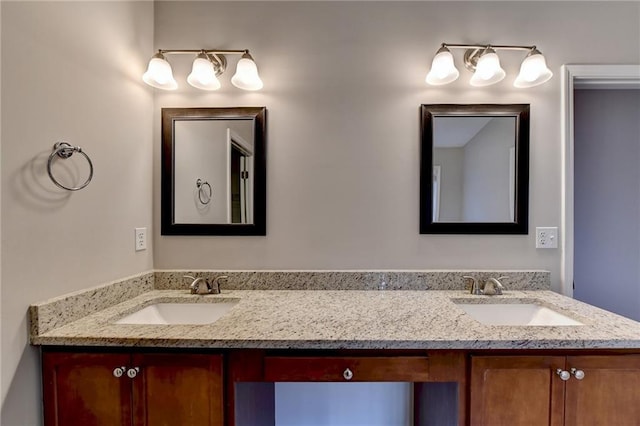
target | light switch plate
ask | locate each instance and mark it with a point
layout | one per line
(141, 239)
(547, 237)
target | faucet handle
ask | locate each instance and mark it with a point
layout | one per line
(469, 281)
(197, 286)
(494, 286)
(474, 288)
(215, 287)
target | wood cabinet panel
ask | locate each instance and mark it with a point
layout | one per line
(519, 390)
(80, 389)
(341, 369)
(178, 390)
(609, 394)
(150, 390)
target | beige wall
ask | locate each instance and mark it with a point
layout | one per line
(71, 71)
(343, 84)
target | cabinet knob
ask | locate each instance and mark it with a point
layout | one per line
(578, 374)
(133, 372)
(564, 374)
(119, 371)
(348, 374)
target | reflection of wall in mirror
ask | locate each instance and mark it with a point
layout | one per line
(201, 153)
(486, 176)
(476, 178)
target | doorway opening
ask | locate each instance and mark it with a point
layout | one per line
(601, 157)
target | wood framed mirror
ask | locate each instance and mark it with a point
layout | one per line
(474, 169)
(213, 171)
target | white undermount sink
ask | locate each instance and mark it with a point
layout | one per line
(180, 313)
(518, 314)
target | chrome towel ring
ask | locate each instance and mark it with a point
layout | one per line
(64, 150)
(201, 184)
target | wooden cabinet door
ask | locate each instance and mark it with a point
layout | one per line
(516, 390)
(609, 393)
(81, 389)
(178, 390)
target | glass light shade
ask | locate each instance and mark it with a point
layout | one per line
(443, 70)
(203, 74)
(533, 71)
(159, 73)
(246, 76)
(488, 70)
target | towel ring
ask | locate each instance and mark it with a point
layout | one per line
(64, 150)
(200, 184)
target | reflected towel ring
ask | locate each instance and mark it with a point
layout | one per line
(64, 150)
(200, 184)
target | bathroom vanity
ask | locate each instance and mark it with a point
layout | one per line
(462, 369)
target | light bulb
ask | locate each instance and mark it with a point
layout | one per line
(246, 76)
(533, 71)
(443, 70)
(203, 74)
(159, 73)
(488, 69)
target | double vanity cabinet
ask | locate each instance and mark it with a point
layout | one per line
(243, 368)
(237, 387)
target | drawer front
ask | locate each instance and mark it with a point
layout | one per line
(346, 369)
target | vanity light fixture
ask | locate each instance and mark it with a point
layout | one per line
(207, 66)
(484, 62)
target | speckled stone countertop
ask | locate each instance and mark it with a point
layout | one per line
(347, 319)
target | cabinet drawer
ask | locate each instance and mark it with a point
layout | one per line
(344, 369)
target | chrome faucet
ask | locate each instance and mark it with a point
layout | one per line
(491, 287)
(202, 285)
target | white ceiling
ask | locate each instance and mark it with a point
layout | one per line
(455, 132)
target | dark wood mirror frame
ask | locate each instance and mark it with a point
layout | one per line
(520, 225)
(168, 224)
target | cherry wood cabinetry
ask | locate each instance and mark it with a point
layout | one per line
(80, 388)
(145, 388)
(346, 369)
(555, 390)
(132, 389)
(516, 390)
(608, 394)
(438, 377)
(178, 389)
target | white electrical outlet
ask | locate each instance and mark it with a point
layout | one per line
(547, 237)
(141, 239)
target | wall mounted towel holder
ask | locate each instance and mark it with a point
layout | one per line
(64, 150)
(208, 193)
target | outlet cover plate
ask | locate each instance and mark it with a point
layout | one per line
(547, 237)
(141, 239)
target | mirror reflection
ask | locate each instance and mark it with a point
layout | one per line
(474, 169)
(213, 171)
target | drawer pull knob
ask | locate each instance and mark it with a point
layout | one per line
(348, 374)
(119, 371)
(578, 374)
(133, 372)
(564, 374)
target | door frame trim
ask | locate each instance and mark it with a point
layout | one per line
(608, 76)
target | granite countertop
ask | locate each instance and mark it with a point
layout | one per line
(345, 319)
